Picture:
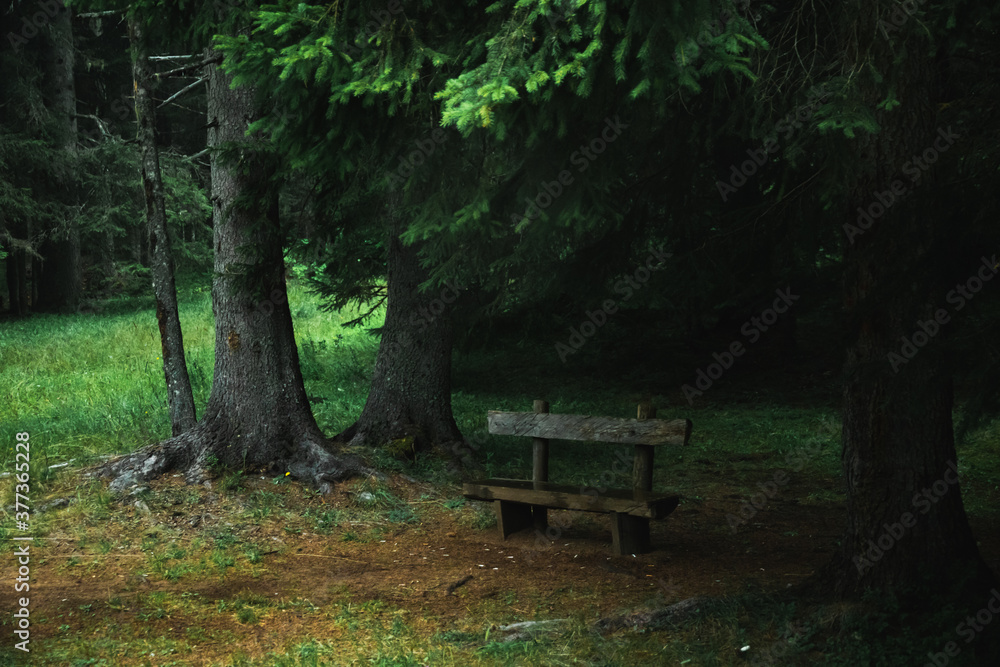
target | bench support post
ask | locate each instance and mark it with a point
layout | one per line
(540, 466)
(642, 468)
(512, 517)
(629, 534)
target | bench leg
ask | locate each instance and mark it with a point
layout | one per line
(629, 534)
(540, 515)
(512, 517)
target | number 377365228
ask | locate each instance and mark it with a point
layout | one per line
(22, 459)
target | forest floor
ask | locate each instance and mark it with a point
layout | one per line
(261, 571)
(255, 571)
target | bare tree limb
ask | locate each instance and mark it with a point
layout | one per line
(97, 15)
(207, 61)
(181, 92)
(191, 158)
(102, 126)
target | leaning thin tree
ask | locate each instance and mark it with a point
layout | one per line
(257, 417)
(180, 398)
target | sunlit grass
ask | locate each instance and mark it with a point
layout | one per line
(87, 385)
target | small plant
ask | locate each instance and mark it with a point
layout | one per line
(222, 560)
(455, 503)
(325, 520)
(224, 540)
(234, 481)
(246, 615)
(402, 515)
(175, 572)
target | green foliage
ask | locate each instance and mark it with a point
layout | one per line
(189, 214)
(522, 72)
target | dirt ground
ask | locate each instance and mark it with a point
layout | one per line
(413, 566)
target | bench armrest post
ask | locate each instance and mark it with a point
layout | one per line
(642, 466)
(540, 449)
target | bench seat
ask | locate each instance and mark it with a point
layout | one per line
(566, 496)
(519, 504)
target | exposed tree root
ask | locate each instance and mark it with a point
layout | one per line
(309, 462)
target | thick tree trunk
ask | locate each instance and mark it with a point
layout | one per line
(61, 279)
(906, 527)
(258, 417)
(409, 402)
(180, 398)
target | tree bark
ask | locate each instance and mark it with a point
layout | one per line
(180, 398)
(409, 402)
(899, 457)
(61, 279)
(258, 417)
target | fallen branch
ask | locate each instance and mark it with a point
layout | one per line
(458, 584)
(645, 619)
(522, 631)
(353, 560)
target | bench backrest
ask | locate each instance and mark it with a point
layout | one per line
(644, 433)
(591, 429)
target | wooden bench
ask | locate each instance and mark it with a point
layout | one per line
(520, 504)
